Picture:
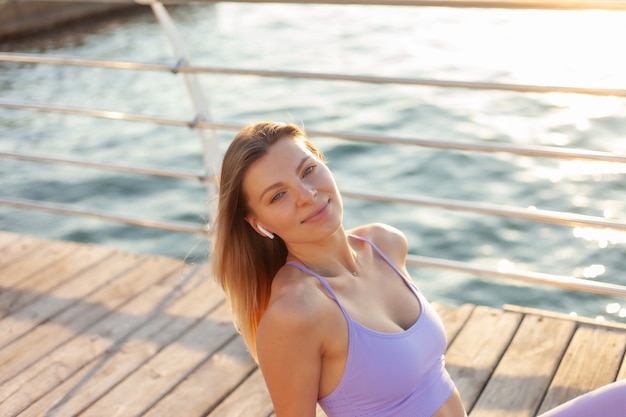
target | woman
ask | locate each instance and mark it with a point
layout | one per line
(330, 315)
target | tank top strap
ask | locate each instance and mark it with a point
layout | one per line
(386, 258)
(324, 283)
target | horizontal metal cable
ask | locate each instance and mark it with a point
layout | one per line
(532, 214)
(524, 276)
(525, 150)
(521, 88)
(82, 62)
(176, 226)
(35, 157)
(105, 114)
(614, 5)
(490, 4)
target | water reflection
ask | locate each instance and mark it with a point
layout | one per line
(590, 272)
(591, 168)
(580, 109)
(604, 237)
(616, 308)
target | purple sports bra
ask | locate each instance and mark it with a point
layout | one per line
(390, 374)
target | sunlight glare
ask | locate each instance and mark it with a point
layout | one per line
(593, 271)
(613, 308)
(602, 236)
(581, 44)
(590, 168)
(580, 200)
(583, 107)
(504, 265)
(590, 272)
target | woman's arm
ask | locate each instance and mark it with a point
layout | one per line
(289, 341)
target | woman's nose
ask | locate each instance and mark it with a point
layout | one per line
(306, 193)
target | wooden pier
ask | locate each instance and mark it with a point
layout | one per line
(88, 330)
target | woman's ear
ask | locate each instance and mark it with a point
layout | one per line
(265, 231)
(258, 228)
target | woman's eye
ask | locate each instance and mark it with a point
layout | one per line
(309, 170)
(276, 197)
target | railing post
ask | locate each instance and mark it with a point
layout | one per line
(210, 146)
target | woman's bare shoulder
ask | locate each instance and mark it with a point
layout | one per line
(388, 238)
(296, 304)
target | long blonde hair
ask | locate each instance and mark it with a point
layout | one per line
(244, 262)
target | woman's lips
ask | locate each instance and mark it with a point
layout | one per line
(318, 214)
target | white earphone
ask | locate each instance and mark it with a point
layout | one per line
(265, 232)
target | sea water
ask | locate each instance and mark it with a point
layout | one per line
(579, 48)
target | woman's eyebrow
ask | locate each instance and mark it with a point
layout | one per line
(280, 183)
(302, 163)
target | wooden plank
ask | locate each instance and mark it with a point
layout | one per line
(33, 382)
(520, 380)
(591, 360)
(56, 273)
(8, 238)
(97, 376)
(37, 260)
(622, 372)
(205, 388)
(67, 391)
(157, 377)
(17, 250)
(563, 316)
(453, 318)
(203, 292)
(475, 352)
(63, 297)
(250, 399)
(91, 382)
(43, 339)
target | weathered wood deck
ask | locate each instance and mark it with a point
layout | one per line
(87, 330)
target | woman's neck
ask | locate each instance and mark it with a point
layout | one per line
(330, 257)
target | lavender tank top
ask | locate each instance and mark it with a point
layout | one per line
(390, 374)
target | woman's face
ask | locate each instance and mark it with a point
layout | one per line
(292, 194)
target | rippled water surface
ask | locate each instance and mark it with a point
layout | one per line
(525, 47)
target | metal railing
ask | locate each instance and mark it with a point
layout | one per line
(181, 66)
(613, 5)
(207, 129)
